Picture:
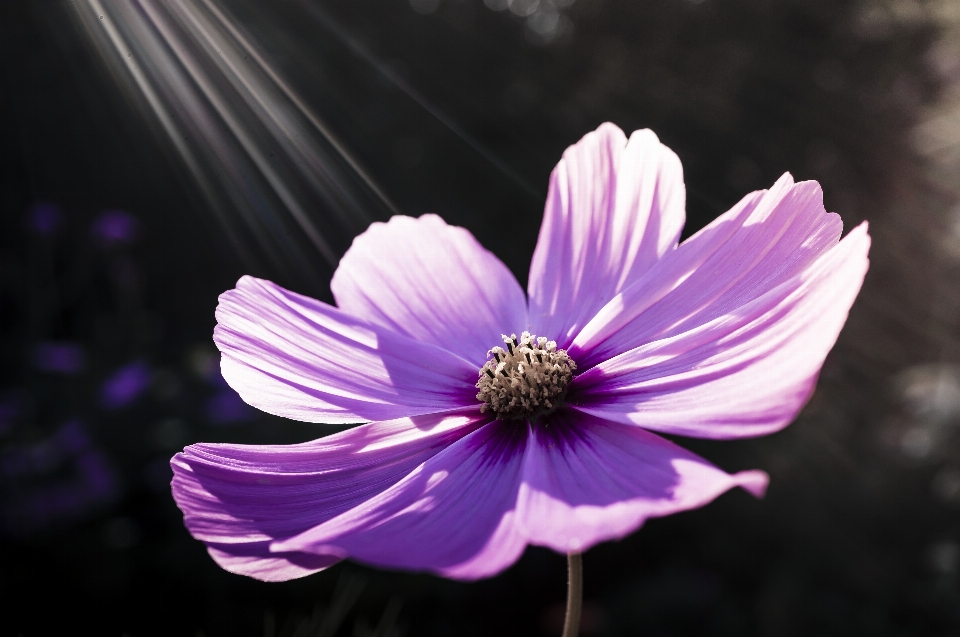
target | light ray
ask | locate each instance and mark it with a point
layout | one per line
(357, 48)
(286, 191)
(288, 92)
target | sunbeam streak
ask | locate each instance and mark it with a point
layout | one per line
(321, 128)
(285, 190)
(357, 48)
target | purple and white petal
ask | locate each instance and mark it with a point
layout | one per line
(766, 239)
(255, 560)
(299, 358)
(241, 498)
(432, 282)
(587, 480)
(614, 208)
(453, 515)
(747, 372)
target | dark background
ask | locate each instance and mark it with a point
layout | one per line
(148, 160)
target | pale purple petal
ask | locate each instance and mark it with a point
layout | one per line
(296, 357)
(587, 480)
(453, 515)
(613, 209)
(431, 282)
(766, 239)
(255, 560)
(240, 498)
(745, 373)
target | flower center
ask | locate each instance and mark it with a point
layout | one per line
(526, 380)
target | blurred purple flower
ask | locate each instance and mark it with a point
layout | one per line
(44, 217)
(89, 483)
(14, 404)
(92, 485)
(226, 407)
(720, 337)
(63, 358)
(215, 376)
(115, 226)
(125, 385)
(45, 455)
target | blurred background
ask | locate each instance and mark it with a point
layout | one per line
(153, 152)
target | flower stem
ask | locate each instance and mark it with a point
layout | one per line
(571, 623)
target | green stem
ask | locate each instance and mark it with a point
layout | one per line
(571, 623)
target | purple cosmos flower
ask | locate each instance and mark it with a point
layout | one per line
(480, 443)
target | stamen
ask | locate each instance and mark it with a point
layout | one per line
(529, 381)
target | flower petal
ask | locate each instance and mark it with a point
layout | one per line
(766, 239)
(431, 282)
(296, 357)
(453, 515)
(255, 560)
(746, 372)
(240, 498)
(613, 209)
(587, 480)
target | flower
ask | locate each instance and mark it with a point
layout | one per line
(623, 334)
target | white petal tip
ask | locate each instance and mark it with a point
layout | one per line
(754, 482)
